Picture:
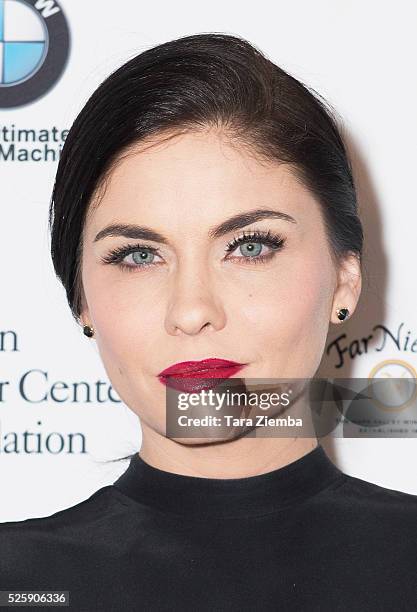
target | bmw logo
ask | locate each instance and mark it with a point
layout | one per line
(34, 49)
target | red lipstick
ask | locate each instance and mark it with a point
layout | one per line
(190, 376)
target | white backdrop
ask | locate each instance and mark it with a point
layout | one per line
(361, 57)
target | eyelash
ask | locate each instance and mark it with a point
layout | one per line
(274, 241)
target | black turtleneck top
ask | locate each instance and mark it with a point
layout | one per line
(304, 537)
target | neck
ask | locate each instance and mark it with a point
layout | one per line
(237, 458)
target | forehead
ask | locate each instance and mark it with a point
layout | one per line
(195, 177)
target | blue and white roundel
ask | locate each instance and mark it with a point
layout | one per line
(23, 42)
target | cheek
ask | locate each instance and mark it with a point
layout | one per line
(129, 324)
(290, 307)
(126, 316)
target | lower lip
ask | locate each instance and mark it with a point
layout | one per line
(199, 380)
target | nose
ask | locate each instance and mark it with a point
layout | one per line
(194, 303)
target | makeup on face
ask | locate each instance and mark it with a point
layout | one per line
(253, 246)
(187, 376)
(202, 257)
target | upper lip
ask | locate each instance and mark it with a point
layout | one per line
(196, 366)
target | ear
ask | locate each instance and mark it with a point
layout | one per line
(349, 285)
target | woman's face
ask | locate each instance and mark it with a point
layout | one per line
(198, 294)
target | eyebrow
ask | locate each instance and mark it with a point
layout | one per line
(140, 232)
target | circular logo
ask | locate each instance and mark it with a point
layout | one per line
(399, 389)
(34, 49)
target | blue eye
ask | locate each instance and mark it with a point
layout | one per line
(142, 257)
(250, 246)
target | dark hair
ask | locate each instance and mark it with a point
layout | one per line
(192, 83)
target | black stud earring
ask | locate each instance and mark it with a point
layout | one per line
(342, 313)
(88, 331)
